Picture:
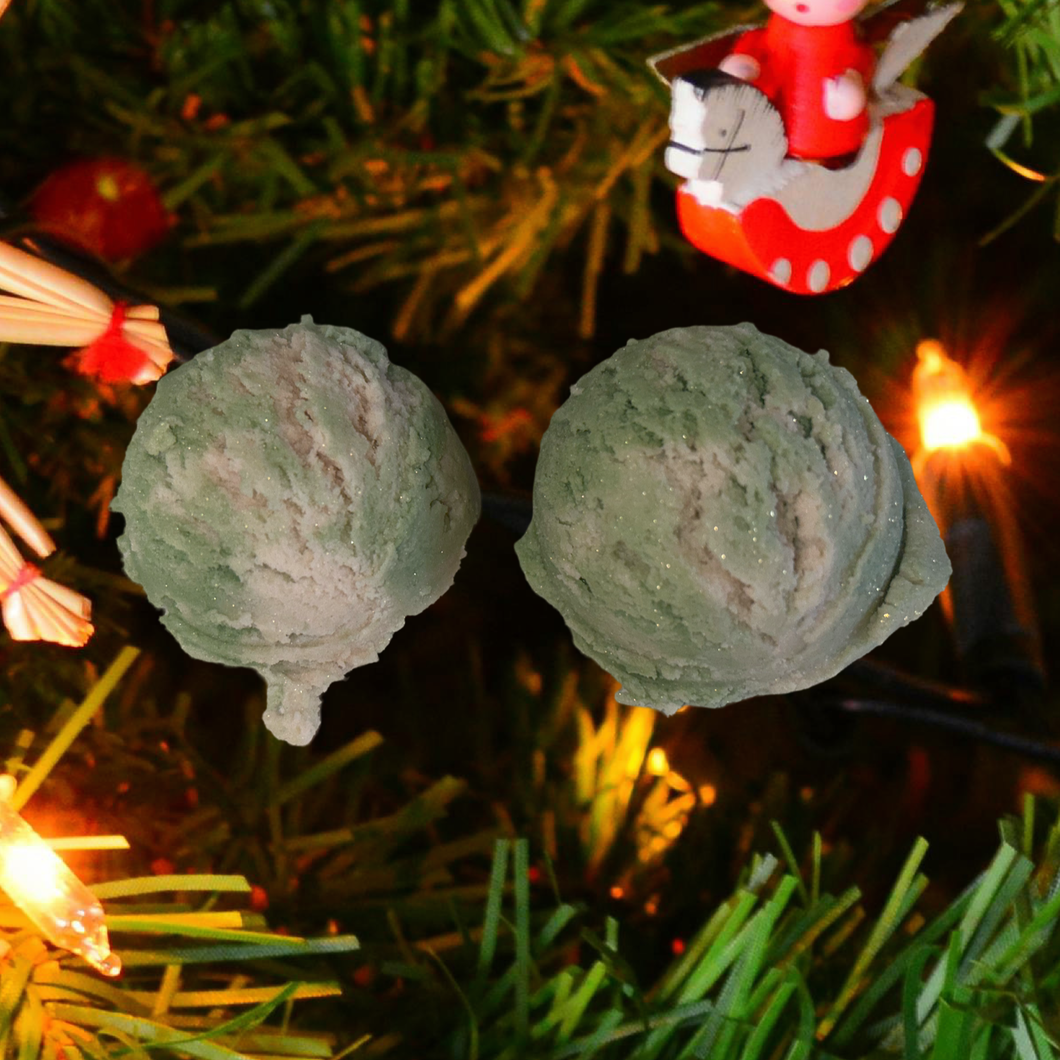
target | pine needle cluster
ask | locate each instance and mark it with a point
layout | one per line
(792, 964)
(444, 150)
(451, 159)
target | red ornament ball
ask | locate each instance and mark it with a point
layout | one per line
(107, 206)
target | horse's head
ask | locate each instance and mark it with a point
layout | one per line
(726, 138)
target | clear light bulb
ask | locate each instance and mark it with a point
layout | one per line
(950, 423)
(57, 903)
(944, 404)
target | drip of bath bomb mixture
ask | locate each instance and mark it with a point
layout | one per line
(719, 515)
(290, 497)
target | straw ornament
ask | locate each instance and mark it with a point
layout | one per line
(48, 306)
(34, 607)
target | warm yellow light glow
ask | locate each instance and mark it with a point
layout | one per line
(677, 782)
(950, 423)
(658, 764)
(945, 407)
(31, 872)
(39, 883)
(708, 794)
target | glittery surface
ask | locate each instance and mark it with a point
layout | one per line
(718, 515)
(290, 497)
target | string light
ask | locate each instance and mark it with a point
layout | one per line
(39, 883)
(658, 765)
(960, 468)
(945, 407)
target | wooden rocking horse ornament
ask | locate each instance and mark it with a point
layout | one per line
(800, 161)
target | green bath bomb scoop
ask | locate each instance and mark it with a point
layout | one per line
(290, 497)
(719, 515)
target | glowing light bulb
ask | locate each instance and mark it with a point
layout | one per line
(950, 423)
(56, 902)
(945, 409)
(658, 765)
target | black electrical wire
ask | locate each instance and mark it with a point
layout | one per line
(955, 723)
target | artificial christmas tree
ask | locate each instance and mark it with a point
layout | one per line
(530, 868)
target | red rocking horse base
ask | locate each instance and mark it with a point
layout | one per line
(840, 243)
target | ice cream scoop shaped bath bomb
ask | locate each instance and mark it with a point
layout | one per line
(289, 498)
(719, 515)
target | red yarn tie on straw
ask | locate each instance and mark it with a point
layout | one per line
(112, 358)
(26, 574)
